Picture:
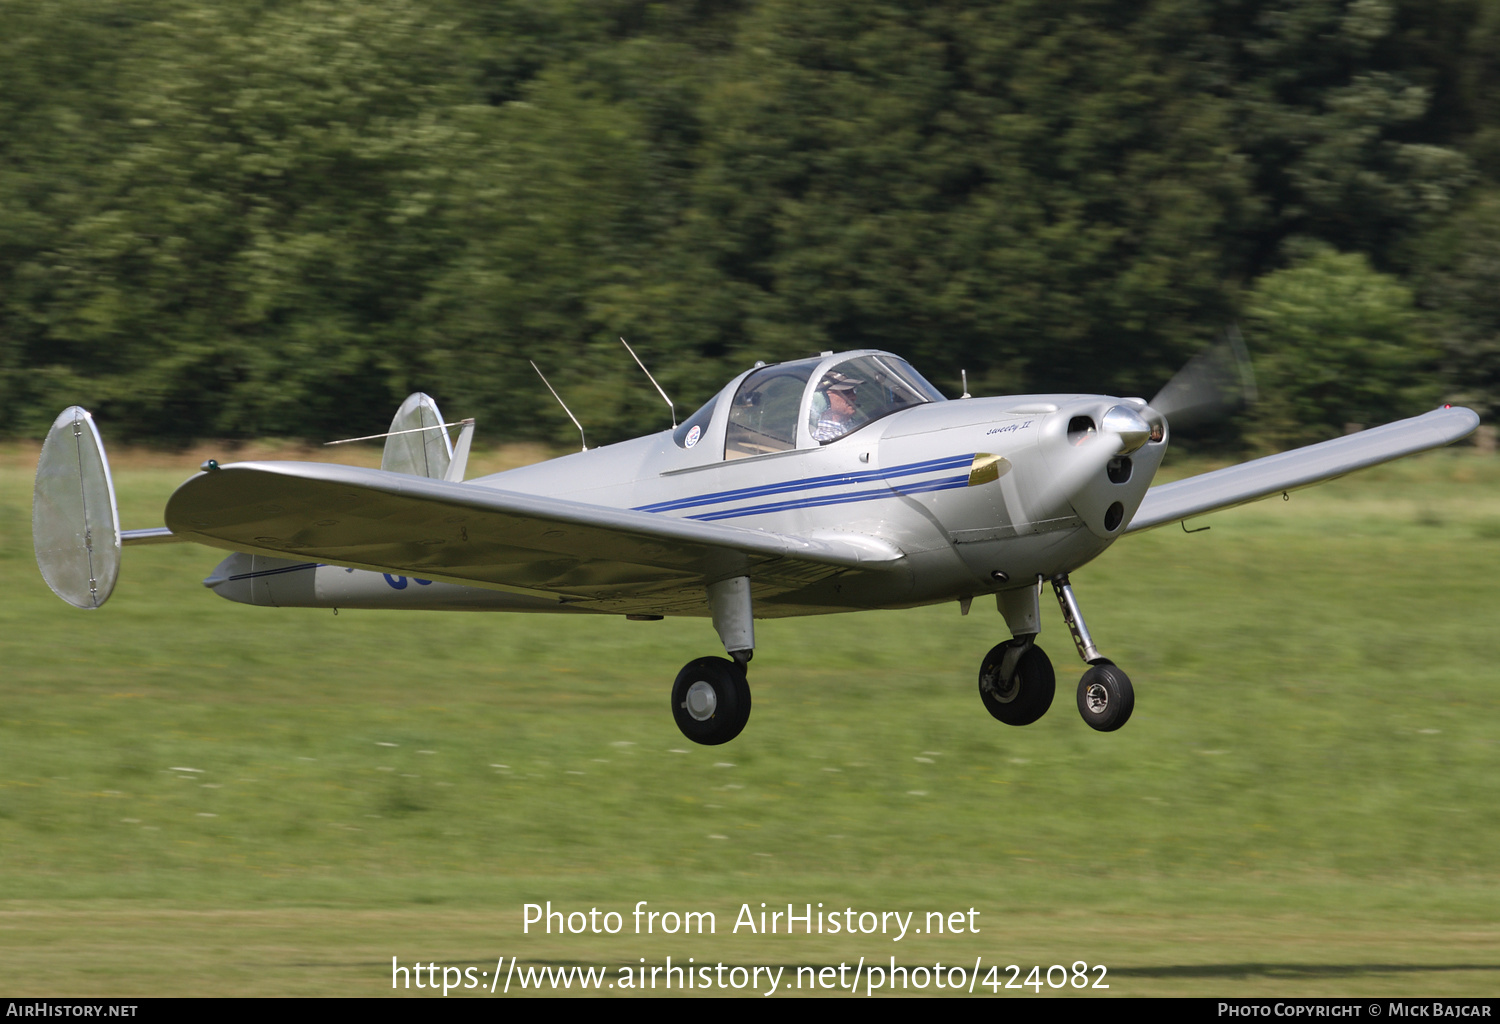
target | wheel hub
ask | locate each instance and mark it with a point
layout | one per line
(1097, 698)
(701, 701)
(1005, 690)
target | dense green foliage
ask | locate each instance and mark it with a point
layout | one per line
(1333, 338)
(280, 216)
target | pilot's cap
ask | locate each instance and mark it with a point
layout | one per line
(835, 381)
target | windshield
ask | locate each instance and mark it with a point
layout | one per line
(771, 401)
(861, 390)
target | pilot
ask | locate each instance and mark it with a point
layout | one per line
(833, 405)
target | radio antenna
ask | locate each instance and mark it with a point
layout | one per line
(652, 379)
(393, 433)
(965, 375)
(561, 403)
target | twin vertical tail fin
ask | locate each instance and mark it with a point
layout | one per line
(75, 523)
(418, 442)
(418, 445)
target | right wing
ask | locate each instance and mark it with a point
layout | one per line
(607, 558)
(1300, 467)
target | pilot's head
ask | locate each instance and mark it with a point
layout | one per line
(840, 389)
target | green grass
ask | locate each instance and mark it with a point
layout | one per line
(1304, 803)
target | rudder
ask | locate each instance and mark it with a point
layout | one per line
(75, 522)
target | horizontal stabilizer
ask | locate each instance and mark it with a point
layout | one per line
(153, 535)
(75, 525)
(1300, 467)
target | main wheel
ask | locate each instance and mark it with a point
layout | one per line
(1105, 697)
(711, 700)
(1027, 695)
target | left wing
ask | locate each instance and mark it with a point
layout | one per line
(1300, 467)
(463, 533)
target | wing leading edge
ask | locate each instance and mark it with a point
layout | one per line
(1300, 467)
(461, 533)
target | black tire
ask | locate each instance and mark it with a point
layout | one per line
(1030, 692)
(1105, 697)
(715, 712)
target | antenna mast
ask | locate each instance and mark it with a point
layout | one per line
(560, 402)
(652, 379)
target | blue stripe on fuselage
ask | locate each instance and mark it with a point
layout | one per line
(946, 483)
(809, 483)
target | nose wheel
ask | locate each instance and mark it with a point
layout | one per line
(1105, 697)
(711, 700)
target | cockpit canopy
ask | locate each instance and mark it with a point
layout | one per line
(811, 402)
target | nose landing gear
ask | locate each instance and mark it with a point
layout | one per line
(1105, 696)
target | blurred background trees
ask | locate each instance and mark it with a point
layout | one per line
(278, 217)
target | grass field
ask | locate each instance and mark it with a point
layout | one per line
(202, 798)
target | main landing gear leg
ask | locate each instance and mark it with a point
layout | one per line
(1105, 696)
(711, 697)
(1016, 682)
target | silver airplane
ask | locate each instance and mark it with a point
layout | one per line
(828, 484)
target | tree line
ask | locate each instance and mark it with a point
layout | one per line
(277, 217)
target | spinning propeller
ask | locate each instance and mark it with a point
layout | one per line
(1212, 384)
